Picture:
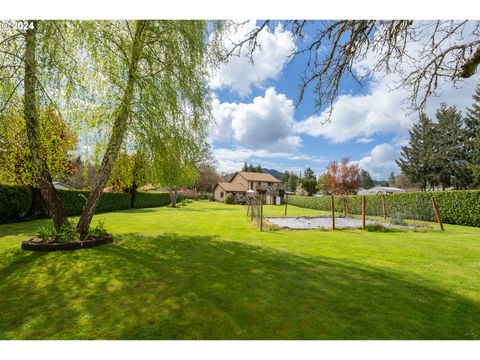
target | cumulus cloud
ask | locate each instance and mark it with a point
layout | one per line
(239, 74)
(382, 108)
(381, 161)
(265, 123)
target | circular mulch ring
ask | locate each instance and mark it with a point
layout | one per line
(32, 245)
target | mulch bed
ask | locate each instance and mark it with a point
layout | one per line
(34, 245)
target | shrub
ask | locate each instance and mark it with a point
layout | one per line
(150, 199)
(378, 228)
(67, 233)
(47, 232)
(15, 202)
(98, 230)
(229, 199)
(460, 207)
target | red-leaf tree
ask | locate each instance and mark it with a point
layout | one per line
(342, 178)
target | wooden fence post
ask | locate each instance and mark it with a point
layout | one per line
(437, 213)
(383, 207)
(286, 204)
(364, 200)
(333, 212)
(261, 212)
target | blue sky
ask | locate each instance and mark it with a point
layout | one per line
(257, 122)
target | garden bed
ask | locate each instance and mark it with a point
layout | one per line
(34, 244)
(316, 222)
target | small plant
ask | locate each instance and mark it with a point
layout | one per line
(67, 233)
(398, 218)
(98, 230)
(47, 232)
(378, 228)
(229, 199)
(183, 202)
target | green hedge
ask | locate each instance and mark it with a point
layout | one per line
(145, 200)
(16, 201)
(456, 207)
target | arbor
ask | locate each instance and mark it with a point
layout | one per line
(132, 77)
(366, 180)
(434, 50)
(418, 157)
(343, 179)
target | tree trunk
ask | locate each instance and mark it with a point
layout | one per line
(117, 135)
(133, 193)
(42, 175)
(173, 197)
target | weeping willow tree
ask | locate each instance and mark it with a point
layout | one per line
(113, 80)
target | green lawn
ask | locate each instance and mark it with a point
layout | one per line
(203, 272)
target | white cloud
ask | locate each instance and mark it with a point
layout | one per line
(382, 109)
(240, 74)
(381, 161)
(265, 123)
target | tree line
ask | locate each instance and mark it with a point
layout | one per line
(445, 152)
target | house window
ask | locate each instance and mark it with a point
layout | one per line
(221, 194)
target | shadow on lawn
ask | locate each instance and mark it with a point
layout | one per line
(178, 287)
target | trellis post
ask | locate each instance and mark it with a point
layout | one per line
(437, 213)
(364, 200)
(383, 207)
(332, 199)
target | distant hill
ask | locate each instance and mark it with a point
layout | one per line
(277, 174)
(273, 172)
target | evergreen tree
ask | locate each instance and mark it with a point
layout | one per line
(416, 159)
(472, 137)
(451, 157)
(258, 169)
(309, 181)
(366, 180)
(292, 182)
(245, 166)
(391, 179)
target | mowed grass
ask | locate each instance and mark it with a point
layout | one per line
(204, 272)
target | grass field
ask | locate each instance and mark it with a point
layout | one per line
(203, 272)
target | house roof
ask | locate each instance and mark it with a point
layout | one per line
(231, 186)
(253, 176)
(380, 190)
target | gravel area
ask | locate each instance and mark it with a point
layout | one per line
(317, 222)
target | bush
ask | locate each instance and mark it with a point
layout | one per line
(459, 207)
(15, 202)
(47, 232)
(147, 199)
(229, 199)
(67, 233)
(378, 228)
(97, 230)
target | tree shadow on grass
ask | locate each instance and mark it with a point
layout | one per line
(198, 287)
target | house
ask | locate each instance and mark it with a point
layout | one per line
(380, 190)
(243, 181)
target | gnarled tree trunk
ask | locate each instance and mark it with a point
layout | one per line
(42, 175)
(117, 135)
